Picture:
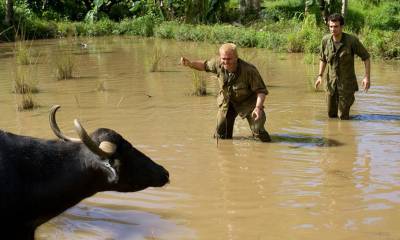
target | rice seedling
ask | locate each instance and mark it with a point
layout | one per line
(23, 81)
(156, 60)
(199, 84)
(25, 85)
(27, 102)
(65, 66)
(22, 54)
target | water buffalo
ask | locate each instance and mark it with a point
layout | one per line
(40, 179)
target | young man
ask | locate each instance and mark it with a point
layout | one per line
(337, 52)
(242, 91)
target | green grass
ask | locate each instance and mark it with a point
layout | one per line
(24, 83)
(199, 84)
(64, 66)
(27, 102)
(282, 27)
(156, 58)
(25, 86)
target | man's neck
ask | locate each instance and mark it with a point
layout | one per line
(337, 37)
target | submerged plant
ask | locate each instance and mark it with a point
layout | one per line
(199, 85)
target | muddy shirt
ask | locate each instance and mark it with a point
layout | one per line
(239, 88)
(340, 72)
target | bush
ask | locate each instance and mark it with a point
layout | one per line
(141, 26)
(271, 40)
(382, 44)
(387, 17)
(100, 28)
(166, 30)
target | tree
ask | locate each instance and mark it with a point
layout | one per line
(249, 6)
(9, 12)
(344, 8)
(327, 7)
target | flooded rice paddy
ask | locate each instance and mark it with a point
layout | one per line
(318, 179)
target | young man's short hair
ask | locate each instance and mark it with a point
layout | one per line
(336, 17)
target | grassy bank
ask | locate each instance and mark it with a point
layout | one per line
(280, 30)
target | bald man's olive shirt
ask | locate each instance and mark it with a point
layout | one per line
(340, 62)
(239, 88)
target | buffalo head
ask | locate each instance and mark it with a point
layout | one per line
(127, 168)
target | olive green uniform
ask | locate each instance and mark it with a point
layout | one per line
(341, 81)
(238, 96)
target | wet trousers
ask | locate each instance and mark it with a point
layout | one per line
(339, 104)
(226, 120)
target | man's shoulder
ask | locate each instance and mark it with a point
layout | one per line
(326, 37)
(350, 37)
(247, 66)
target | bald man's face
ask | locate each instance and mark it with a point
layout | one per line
(228, 60)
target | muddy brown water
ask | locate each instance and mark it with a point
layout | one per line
(318, 179)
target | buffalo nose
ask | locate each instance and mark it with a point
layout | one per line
(166, 175)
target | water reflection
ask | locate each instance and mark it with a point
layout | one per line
(298, 140)
(88, 222)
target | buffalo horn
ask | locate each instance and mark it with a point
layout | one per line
(56, 129)
(89, 142)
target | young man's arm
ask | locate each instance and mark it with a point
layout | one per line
(321, 71)
(366, 82)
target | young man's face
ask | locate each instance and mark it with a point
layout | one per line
(335, 28)
(228, 60)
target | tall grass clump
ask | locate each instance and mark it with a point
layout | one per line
(156, 58)
(141, 26)
(64, 66)
(25, 86)
(27, 102)
(22, 47)
(23, 82)
(305, 37)
(199, 84)
(23, 54)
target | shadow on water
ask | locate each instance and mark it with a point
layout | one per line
(305, 140)
(296, 140)
(108, 223)
(375, 117)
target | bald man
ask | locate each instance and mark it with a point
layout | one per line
(242, 91)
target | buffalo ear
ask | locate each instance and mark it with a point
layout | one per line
(108, 147)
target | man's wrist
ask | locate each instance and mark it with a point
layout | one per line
(319, 75)
(260, 107)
